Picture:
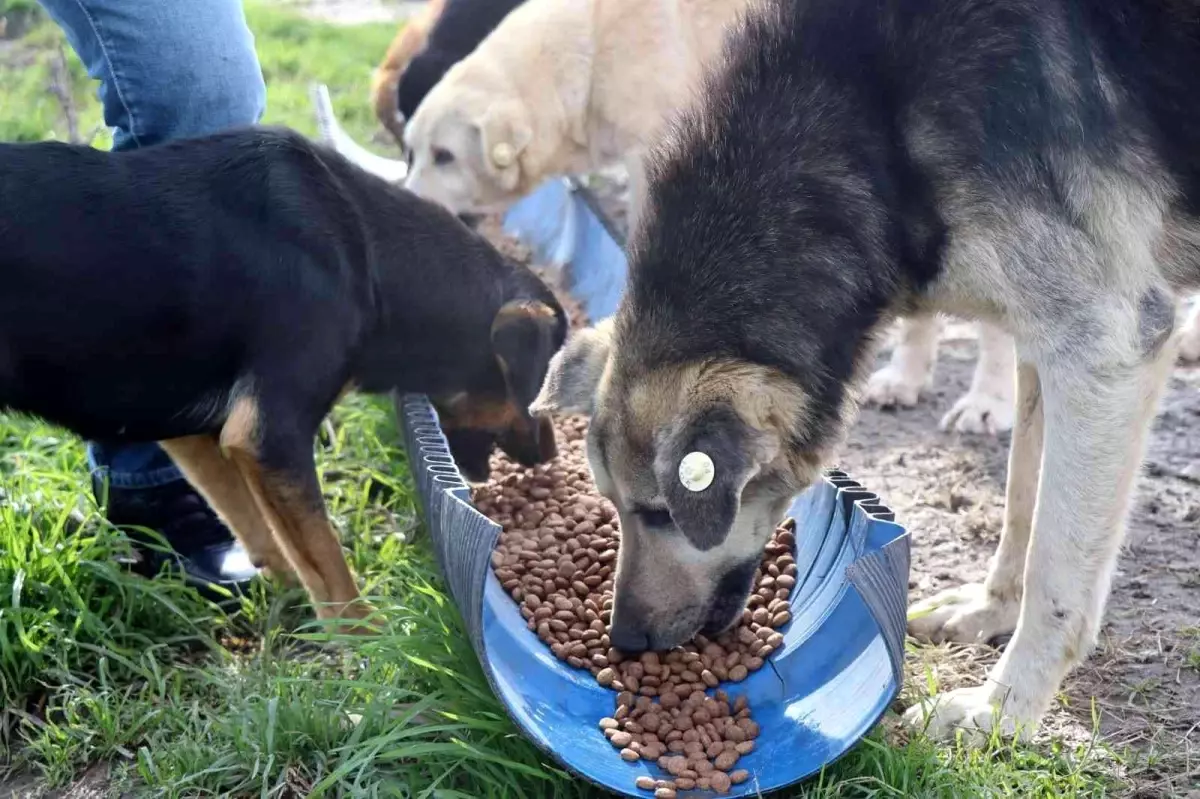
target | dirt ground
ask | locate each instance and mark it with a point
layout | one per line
(949, 491)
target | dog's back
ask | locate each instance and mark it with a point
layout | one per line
(242, 246)
(171, 250)
(966, 100)
(461, 27)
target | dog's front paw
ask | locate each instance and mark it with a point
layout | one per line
(966, 615)
(980, 412)
(976, 711)
(894, 386)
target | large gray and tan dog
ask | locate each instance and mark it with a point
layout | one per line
(1032, 163)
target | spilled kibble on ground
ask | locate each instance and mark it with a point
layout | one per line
(557, 557)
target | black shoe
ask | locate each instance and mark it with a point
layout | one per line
(204, 550)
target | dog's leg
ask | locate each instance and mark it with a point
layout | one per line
(1098, 405)
(983, 612)
(987, 407)
(219, 482)
(910, 370)
(1189, 337)
(278, 467)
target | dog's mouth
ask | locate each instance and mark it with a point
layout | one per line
(527, 446)
(730, 598)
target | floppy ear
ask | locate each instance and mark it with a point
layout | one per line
(702, 467)
(504, 135)
(525, 336)
(575, 372)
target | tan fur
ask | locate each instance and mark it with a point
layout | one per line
(219, 482)
(299, 523)
(410, 40)
(561, 88)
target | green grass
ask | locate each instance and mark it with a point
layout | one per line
(184, 699)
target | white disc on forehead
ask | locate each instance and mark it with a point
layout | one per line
(696, 471)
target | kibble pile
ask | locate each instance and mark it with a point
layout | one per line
(557, 556)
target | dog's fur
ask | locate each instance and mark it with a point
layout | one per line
(987, 407)
(410, 40)
(559, 88)
(1189, 339)
(219, 294)
(1034, 164)
(451, 30)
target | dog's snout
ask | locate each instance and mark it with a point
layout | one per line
(530, 444)
(628, 638)
(730, 597)
(631, 630)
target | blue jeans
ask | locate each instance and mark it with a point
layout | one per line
(167, 69)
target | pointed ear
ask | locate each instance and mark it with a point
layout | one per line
(525, 336)
(504, 135)
(575, 372)
(702, 467)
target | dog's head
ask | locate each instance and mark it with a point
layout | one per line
(465, 142)
(699, 459)
(525, 334)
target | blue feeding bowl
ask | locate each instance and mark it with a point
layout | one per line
(840, 665)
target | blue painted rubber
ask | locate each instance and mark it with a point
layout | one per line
(841, 663)
(563, 229)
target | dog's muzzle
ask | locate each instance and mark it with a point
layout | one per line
(730, 598)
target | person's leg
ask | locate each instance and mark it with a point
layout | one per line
(167, 69)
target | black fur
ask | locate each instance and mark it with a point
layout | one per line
(797, 208)
(141, 291)
(706, 516)
(461, 27)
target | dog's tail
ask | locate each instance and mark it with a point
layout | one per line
(330, 132)
(409, 41)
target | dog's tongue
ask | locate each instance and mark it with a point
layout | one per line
(330, 132)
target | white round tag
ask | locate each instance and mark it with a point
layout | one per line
(696, 471)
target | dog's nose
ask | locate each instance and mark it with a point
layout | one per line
(628, 638)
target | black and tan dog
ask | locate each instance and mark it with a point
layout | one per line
(219, 295)
(1033, 163)
(438, 36)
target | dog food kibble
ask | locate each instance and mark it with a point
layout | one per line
(557, 557)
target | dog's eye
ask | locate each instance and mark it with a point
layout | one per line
(442, 156)
(654, 517)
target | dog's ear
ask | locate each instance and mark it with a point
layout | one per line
(702, 467)
(525, 336)
(504, 135)
(575, 372)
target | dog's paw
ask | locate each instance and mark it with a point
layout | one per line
(894, 387)
(980, 412)
(359, 618)
(965, 615)
(976, 711)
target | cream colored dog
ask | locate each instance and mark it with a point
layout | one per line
(560, 87)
